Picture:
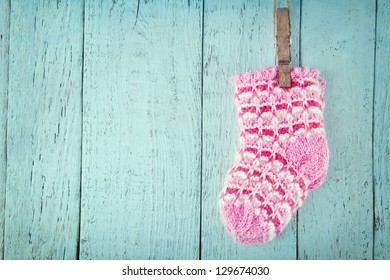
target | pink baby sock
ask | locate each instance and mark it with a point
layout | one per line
(283, 152)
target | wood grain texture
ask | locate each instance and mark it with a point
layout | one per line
(44, 130)
(154, 146)
(238, 37)
(141, 132)
(338, 39)
(4, 46)
(382, 134)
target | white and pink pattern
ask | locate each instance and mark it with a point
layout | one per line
(283, 152)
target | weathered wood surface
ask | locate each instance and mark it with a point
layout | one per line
(382, 133)
(338, 38)
(44, 130)
(237, 37)
(141, 132)
(4, 43)
(148, 140)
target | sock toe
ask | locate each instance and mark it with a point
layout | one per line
(244, 225)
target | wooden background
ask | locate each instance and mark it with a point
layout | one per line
(117, 127)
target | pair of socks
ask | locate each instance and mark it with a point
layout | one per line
(283, 152)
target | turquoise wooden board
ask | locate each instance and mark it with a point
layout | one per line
(141, 130)
(44, 130)
(338, 38)
(382, 134)
(118, 126)
(238, 37)
(4, 43)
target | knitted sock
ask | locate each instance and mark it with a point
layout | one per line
(283, 152)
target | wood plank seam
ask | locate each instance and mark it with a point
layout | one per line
(381, 134)
(4, 59)
(373, 131)
(82, 135)
(201, 136)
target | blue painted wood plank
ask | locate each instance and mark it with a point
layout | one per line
(238, 37)
(337, 220)
(4, 45)
(141, 132)
(382, 133)
(44, 130)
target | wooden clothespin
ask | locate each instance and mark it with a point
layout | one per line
(283, 54)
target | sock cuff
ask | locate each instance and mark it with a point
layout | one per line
(270, 74)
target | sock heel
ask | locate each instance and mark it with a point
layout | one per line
(310, 155)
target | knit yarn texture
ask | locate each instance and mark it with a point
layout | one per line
(283, 152)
